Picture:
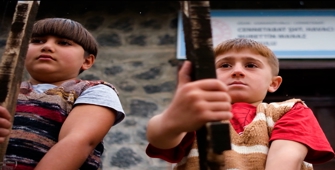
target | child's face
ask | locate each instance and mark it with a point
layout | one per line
(52, 59)
(247, 74)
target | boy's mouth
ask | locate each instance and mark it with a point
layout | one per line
(45, 57)
(236, 83)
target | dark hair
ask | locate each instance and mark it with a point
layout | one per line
(69, 29)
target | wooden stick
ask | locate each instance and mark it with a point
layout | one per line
(12, 61)
(213, 138)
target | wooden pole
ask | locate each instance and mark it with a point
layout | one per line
(12, 61)
(213, 138)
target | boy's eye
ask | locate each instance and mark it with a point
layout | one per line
(251, 65)
(36, 41)
(64, 42)
(225, 65)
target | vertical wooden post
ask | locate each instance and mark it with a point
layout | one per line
(213, 138)
(12, 61)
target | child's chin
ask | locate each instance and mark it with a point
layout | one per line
(238, 95)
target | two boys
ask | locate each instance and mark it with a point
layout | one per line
(264, 136)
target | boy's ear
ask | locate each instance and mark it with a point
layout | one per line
(276, 82)
(89, 61)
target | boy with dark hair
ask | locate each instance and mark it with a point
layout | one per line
(60, 120)
(274, 136)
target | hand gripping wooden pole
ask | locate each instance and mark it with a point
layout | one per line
(12, 61)
(213, 138)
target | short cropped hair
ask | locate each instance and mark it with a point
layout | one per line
(69, 29)
(257, 47)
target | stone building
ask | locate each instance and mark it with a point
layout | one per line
(138, 55)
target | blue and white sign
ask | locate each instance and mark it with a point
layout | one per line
(291, 34)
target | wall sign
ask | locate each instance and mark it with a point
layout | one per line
(291, 34)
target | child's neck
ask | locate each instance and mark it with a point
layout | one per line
(253, 104)
(57, 83)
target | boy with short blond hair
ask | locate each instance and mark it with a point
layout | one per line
(274, 136)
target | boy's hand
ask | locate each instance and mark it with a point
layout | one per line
(196, 103)
(5, 124)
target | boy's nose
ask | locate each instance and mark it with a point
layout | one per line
(47, 47)
(238, 71)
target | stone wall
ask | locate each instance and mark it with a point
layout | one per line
(137, 54)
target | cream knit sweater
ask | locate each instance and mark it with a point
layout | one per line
(249, 149)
